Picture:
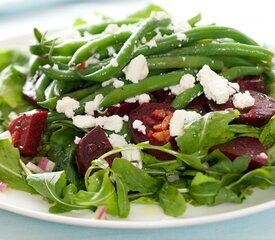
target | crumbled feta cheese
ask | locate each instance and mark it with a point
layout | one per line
(243, 100)
(179, 25)
(29, 113)
(233, 88)
(125, 118)
(181, 36)
(111, 51)
(143, 40)
(55, 67)
(84, 121)
(118, 83)
(128, 27)
(112, 123)
(77, 140)
(187, 81)
(137, 124)
(12, 116)
(92, 60)
(215, 87)
(137, 69)
(152, 43)
(67, 106)
(117, 141)
(159, 35)
(114, 62)
(159, 15)
(143, 98)
(111, 28)
(92, 106)
(179, 119)
(108, 82)
(133, 156)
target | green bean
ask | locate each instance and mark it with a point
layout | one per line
(194, 20)
(125, 53)
(193, 35)
(61, 59)
(148, 84)
(236, 72)
(228, 49)
(40, 87)
(35, 63)
(183, 99)
(183, 62)
(63, 87)
(231, 61)
(50, 90)
(99, 28)
(49, 103)
(66, 75)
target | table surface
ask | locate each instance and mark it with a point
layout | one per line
(257, 226)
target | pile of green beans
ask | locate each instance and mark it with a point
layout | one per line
(78, 67)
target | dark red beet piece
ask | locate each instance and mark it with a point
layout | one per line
(26, 131)
(163, 96)
(255, 83)
(123, 109)
(257, 115)
(156, 118)
(244, 146)
(199, 104)
(93, 145)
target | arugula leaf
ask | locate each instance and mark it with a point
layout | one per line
(8, 57)
(207, 131)
(135, 178)
(171, 201)
(12, 80)
(10, 168)
(267, 136)
(145, 13)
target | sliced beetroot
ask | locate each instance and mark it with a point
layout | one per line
(93, 145)
(244, 146)
(199, 104)
(26, 131)
(29, 89)
(163, 96)
(257, 115)
(123, 109)
(156, 118)
(255, 83)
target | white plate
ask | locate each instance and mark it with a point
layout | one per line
(142, 216)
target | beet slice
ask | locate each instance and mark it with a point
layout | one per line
(93, 145)
(257, 115)
(27, 130)
(163, 96)
(155, 117)
(244, 146)
(123, 109)
(199, 104)
(255, 83)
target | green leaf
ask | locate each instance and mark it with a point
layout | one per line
(171, 201)
(207, 131)
(12, 80)
(79, 21)
(145, 13)
(8, 57)
(267, 136)
(136, 179)
(10, 168)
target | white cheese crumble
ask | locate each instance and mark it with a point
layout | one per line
(67, 106)
(159, 15)
(137, 69)
(179, 25)
(92, 106)
(133, 156)
(181, 36)
(117, 141)
(152, 43)
(143, 98)
(187, 81)
(84, 121)
(243, 100)
(118, 83)
(112, 123)
(137, 124)
(108, 82)
(216, 87)
(111, 51)
(77, 140)
(114, 62)
(179, 119)
(92, 60)
(125, 118)
(111, 28)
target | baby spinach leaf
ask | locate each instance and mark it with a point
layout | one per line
(171, 201)
(207, 131)
(10, 169)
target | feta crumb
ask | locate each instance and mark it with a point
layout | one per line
(92, 60)
(233, 88)
(118, 83)
(181, 36)
(111, 51)
(125, 118)
(243, 100)
(215, 87)
(143, 40)
(187, 81)
(112, 123)
(159, 15)
(152, 43)
(55, 67)
(179, 119)
(12, 116)
(137, 124)
(117, 141)
(133, 156)
(143, 98)
(77, 140)
(137, 69)
(178, 25)
(67, 106)
(84, 121)
(114, 62)
(111, 28)
(92, 106)
(108, 82)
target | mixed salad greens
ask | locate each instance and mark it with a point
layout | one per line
(149, 109)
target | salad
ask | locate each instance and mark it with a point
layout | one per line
(146, 110)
